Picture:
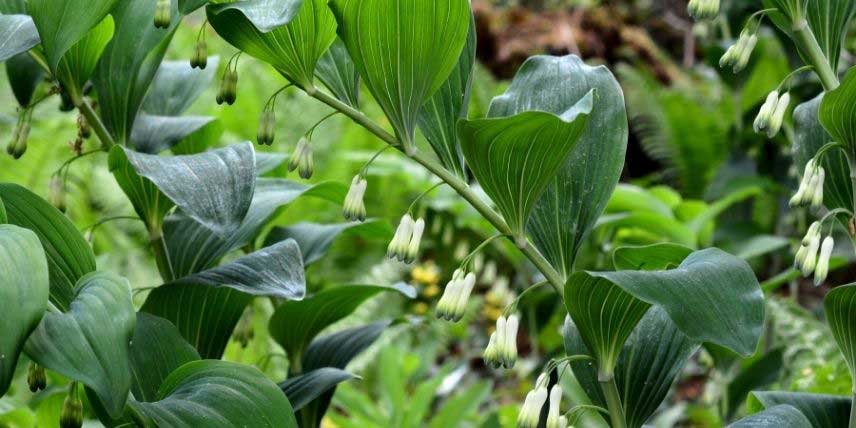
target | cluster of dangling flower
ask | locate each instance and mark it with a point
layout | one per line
(354, 208)
(200, 51)
(772, 114)
(501, 351)
(228, 91)
(808, 260)
(810, 191)
(456, 295)
(530, 413)
(738, 55)
(407, 239)
(701, 10)
(162, 13)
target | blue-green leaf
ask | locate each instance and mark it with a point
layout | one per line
(18, 35)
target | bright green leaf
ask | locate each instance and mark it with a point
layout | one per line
(337, 72)
(651, 257)
(78, 63)
(63, 23)
(838, 113)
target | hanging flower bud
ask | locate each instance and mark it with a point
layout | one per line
(530, 413)
(228, 87)
(738, 55)
(501, 351)
(554, 413)
(800, 196)
(302, 159)
(817, 183)
(802, 253)
(18, 146)
(415, 240)
(401, 239)
(56, 194)
(701, 10)
(11, 147)
(823, 261)
(762, 121)
(162, 14)
(72, 411)
(453, 303)
(354, 207)
(36, 378)
(810, 256)
(777, 117)
(267, 128)
(200, 55)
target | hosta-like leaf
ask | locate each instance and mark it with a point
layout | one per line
(578, 193)
(440, 114)
(63, 23)
(218, 393)
(91, 342)
(24, 75)
(177, 85)
(774, 417)
(158, 349)
(339, 348)
(712, 297)
(78, 63)
(651, 257)
(840, 306)
(838, 112)
(275, 271)
(205, 316)
(295, 324)
(193, 247)
(315, 239)
(305, 388)
(23, 294)
(215, 188)
(154, 134)
(18, 35)
(337, 72)
(649, 363)
(69, 256)
(516, 158)
(129, 63)
(404, 50)
(822, 411)
(293, 40)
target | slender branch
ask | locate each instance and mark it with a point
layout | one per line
(805, 38)
(450, 178)
(613, 403)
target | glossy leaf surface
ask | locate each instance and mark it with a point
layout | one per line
(158, 349)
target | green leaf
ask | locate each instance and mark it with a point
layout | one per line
(305, 388)
(712, 297)
(158, 349)
(337, 72)
(296, 323)
(205, 316)
(177, 85)
(69, 255)
(91, 342)
(630, 198)
(838, 112)
(651, 257)
(809, 137)
(78, 63)
(129, 63)
(23, 296)
(12, 7)
(656, 225)
(267, 162)
(63, 23)
(828, 20)
(218, 393)
(774, 417)
(823, 411)
(650, 361)
(516, 158)
(338, 349)
(18, 35)
(215, 188)
(440, 114)
(579, 191)
(315, 239)
(291, 40)
(24, 74)
(275, 271)
(404, 50)
(758, 374)
(154, 134)
(840, 306)
(187, 6)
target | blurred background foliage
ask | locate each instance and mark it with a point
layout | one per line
(695, 174)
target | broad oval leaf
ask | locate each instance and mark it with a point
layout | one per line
(838, 112)
(154, 134)
(62, 24)
(650, 257)
(822, 411)
(315, 239)
(78, 63)
(23, 295)
(580, 190)
(515, 158)
(840, 306)
(275, 271)
(215, 188)
(91, 342)
(292, 43)
(212, 393)
(339, 348)
(177, 85)
(18, 35)
(404, 50)
(441, 113)
(69, 256)
(158, 349)
(295, 324)
(337, 72)
(712, 297)
(775, 417)
(307, 387)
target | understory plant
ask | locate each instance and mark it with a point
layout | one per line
(540, 167)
